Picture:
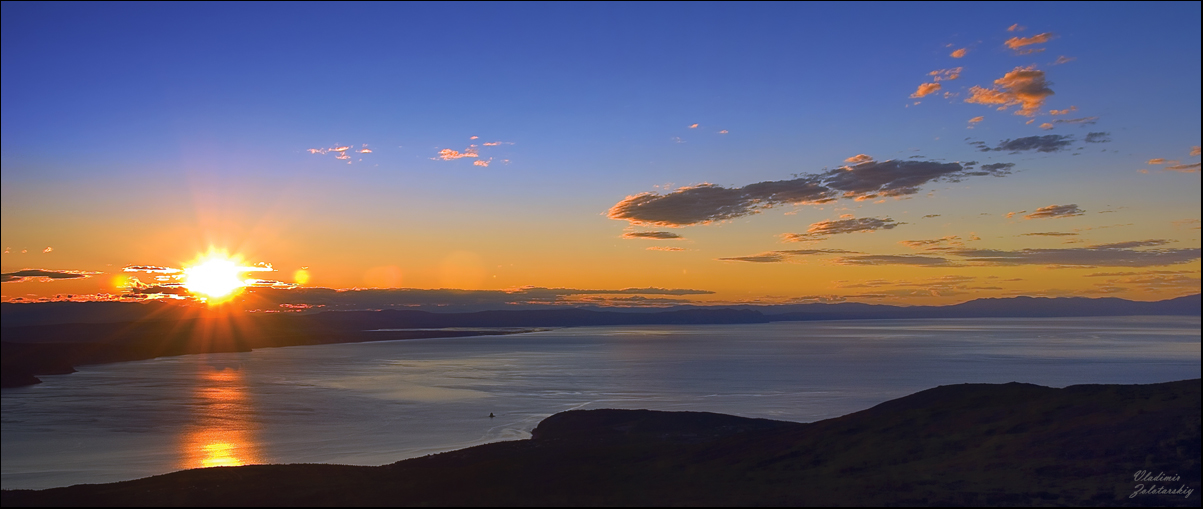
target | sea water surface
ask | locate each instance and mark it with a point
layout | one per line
(376, 403)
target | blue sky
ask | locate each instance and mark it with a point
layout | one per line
(143, 124)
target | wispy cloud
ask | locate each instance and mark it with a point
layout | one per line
(912, 260)
(1053, 211)
(824, 229)
(973, 121)
(665, 248)
(784, 255)
(43, 275)
(946, 74)
(859, 158)
(960, 53)
(651, 235)
(1016, 28)
(1046, 143)
(694, 126)
(1101, 256)
(1018, 42)
(1184, 168)
(1049, 234)
(1084, 121)
(1063, 60)
(1024, 87)
(707, 203)
(950, 240)
(1065, 111)
(1098, 137)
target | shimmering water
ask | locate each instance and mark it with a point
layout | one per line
(376, 403)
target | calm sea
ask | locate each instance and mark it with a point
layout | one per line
(376, 403)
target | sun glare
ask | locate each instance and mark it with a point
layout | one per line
(217, 276)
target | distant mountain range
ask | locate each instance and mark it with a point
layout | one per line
(47, 313)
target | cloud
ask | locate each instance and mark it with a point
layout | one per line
(724, 131)
(973, 121)
(497, 143)
(707, 203)
(665, 248)
(929, 216)
(694, 126)
(1194, 151)
(1046, 126)
(48, 249)
(1016, 28)
(823, 229)
(1098, 137)
(153, 269)
(925, 89)
(448, 154)
(914, 260)
(482, 162)
(1065, 111)
(1046, 143)
(1055, 211)
(1131, 244)
(1190, 224)
(1084, 121)
(946, 74)
(1063, 60)
(781, 256)
(651, 235)
(932, 243)
(959, 53)
(858, 158)
(43, 275)
(1103, 256)
(1156, 160)
(1048, 234)
(1184, 168)
(1018, 42)
(1024, 87)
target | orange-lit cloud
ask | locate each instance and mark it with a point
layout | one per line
(665, 248)
(1016, 28)
(1018, 42)
(912, 260)
(694, 126)
(1194, 151)
(946, 74)
(473, 137)
(973, 121)
(497, 143)
(48, 249)
(1046, 126)
(959, 53)
(1065, 111)
(724, 131)
(449, 154)
(1024, 87)
(1156, 160)
(859, 158)
(1063, 60)
(1184, 168)
(482, 162)
(925, 90)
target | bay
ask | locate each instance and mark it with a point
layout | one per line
(376, 403)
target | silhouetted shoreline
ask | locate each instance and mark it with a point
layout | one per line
(970, 444)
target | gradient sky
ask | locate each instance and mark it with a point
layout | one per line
(139, 134)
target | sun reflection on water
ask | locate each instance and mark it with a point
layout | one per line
(222, 433)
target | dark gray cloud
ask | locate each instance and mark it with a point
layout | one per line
(1053, 211)
(823, 229)
(1098, 137)
(1084, 121)
(916, 260)
(43, 274)
(1100, 256)
(707, 203)
(929, 216)
(651, 235)
(1046, 143)
(995, 169)
(781, 256)
(1131, 244)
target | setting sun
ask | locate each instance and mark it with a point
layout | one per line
(217, 275)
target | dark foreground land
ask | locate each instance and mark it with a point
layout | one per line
(973, 444)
